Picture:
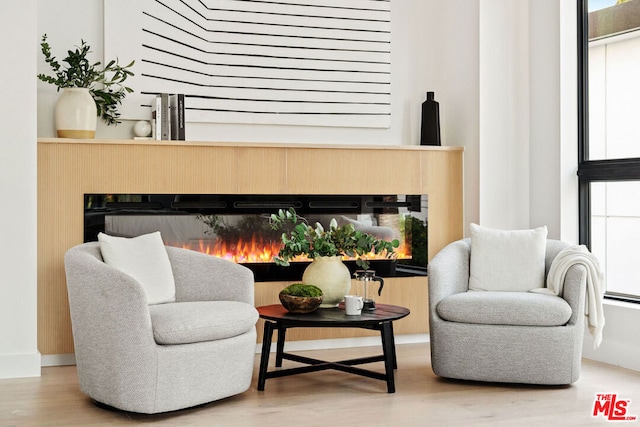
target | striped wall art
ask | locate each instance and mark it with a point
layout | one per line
(293, 62)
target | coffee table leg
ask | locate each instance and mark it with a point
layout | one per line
(280, 345)
(264, 357)
(388, 349)
(393, 346)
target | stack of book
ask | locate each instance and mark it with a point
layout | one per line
(167, 114)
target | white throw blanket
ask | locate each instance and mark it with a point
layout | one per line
(595, 285)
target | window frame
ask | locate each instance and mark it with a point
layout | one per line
(624, 169)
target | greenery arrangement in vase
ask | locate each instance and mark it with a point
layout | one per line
(326, 248)
(105, 84)
(315, 242)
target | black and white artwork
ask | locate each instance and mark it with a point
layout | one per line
(293, 62)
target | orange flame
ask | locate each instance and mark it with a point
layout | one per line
(259, 250)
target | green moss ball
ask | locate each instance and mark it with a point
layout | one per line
(302, 290)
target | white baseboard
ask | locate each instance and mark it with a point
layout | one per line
(20, 365)
(619, 354)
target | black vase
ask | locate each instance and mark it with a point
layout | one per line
(430, 131)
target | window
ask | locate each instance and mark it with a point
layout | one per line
(609, 139)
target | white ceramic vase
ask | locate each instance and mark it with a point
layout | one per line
(76, 114)
(332, 276)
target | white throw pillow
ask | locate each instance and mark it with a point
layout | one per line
(145, 259)
(507, 260)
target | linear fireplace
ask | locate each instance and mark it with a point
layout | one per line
(236, 227)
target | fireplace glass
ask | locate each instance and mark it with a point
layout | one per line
(236, 227)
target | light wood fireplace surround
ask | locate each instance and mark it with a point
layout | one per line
(67, 169)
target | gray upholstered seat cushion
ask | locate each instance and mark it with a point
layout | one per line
(191, 322)
(505, 308)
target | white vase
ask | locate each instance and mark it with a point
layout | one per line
(76, 114)
(332, 276)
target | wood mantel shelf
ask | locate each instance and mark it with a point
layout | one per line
(247, 144)
(70, 168)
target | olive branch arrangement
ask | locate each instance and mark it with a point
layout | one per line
(314, 242)
(105, 84)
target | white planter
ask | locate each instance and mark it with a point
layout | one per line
(76, 114)
(332, 276)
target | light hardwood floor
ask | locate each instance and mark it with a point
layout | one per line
(335, 398)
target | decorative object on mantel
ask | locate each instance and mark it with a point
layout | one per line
(301, 298)
(430, 130)
(76, 113)
(87, 90)
(142, 130)
(326, 249)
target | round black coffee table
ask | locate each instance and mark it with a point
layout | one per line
(381, 319)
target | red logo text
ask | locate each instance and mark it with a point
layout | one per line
(611, 407)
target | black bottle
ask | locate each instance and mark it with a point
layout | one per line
(430, 131)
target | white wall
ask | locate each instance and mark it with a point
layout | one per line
(19, 355)
(504, 114)
(565, 216)
(528, 116)
(544, 115)
(459, 65)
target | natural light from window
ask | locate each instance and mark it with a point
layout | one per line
(614, 133)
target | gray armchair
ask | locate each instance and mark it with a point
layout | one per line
(514, 337)
(157, 358)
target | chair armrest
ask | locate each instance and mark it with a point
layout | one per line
(201, 277)
(448, 272)
(109, 311)
(574, 291)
